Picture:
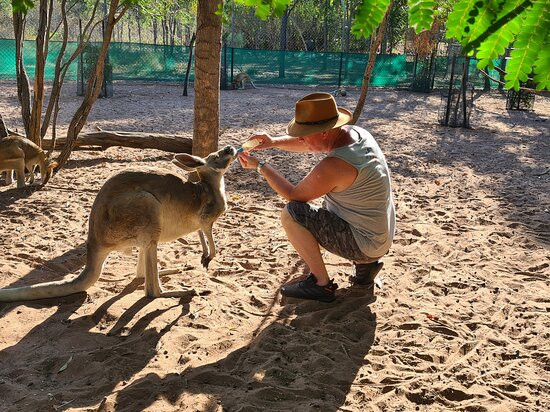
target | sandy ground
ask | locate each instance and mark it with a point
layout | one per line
(462, 321)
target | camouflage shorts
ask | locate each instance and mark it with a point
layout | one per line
(332, 232)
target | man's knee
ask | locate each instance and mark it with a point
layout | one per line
(288, 212)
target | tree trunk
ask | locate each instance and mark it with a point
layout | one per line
(23, 84)
(94, 84)
(139, 28)
(283, 42)
(104, 139)
(3, 128)
(186, 81)
(375, 44)
(207, 78)
(155, 31)
(325, 28)
(41, 53)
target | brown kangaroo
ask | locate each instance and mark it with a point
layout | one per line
(141, 209)
(16, 153)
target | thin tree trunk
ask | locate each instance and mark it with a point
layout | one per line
(206, 123)
(299, 32)
(155, 29)
(38, 89)
(94, 84)
(283, 42)
(62, 65)
(3, 128)
(139, 28)
(375, 44)
(173, 32)
(186, 81)
(325, 28)
(23, 83)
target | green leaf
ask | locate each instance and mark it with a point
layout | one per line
(369, 15)
(22, 6)
(421, 14)
(266, 8)
(528, 45)
(457, 22)
(542, 67)
(509, 15)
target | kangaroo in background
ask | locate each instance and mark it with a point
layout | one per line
(16, 153)
(240, 79)
(140, 209)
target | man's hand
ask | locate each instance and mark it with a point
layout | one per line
(247, 161)
(266, 141)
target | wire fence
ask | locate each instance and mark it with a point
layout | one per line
(159, 63)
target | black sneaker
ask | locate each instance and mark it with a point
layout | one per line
(308, 289)
(365, 273)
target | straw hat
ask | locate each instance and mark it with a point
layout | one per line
(317, 112)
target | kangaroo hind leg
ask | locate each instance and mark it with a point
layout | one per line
(153, 288)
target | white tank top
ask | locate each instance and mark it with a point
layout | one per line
(367, 205)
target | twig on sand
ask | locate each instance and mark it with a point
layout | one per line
(345, 351)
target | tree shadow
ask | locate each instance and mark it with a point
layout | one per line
(308, 358)
(13, 194)
(49, 270)
(512, 168)
(73, 353)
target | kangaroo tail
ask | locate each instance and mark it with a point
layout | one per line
(80, 283)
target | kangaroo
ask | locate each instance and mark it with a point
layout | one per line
(240, 79)
(16, 153)
(140, 209)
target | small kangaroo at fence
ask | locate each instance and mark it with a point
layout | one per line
(18, 152)
(240, 79)
(141, 209)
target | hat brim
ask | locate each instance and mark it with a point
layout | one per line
(298, 130)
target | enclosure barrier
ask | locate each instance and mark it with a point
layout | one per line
(147, 62)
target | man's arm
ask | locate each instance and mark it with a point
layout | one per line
(290, 144)
(331, 174)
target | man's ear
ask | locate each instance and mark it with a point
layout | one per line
(188, 162)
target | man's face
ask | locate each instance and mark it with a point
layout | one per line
(315, 142)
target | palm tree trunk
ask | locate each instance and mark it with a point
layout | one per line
(207, 78)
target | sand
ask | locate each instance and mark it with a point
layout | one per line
(462, 321)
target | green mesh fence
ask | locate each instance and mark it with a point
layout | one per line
(131, 61)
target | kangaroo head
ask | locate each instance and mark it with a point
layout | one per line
(50, 165)
(213, 165)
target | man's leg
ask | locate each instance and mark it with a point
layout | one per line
(306, 245)
(365, 273)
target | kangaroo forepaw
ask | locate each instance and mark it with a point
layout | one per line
(205, 260)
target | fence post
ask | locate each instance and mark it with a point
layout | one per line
(464, 86)
(340, 70)
(232, 60)
(450, 95)
(223, 76)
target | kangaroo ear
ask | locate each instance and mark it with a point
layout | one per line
(188, 162)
